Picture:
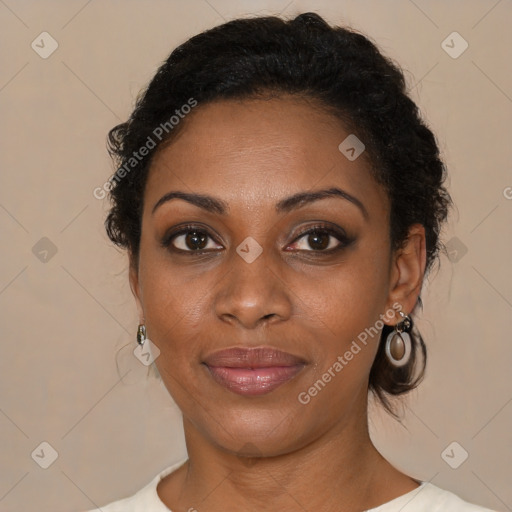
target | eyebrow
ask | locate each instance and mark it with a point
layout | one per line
(220, 207)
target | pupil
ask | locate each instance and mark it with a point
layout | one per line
(315, 242)
(196, 241)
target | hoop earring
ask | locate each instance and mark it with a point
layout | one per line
(141, 334)
(398, 342)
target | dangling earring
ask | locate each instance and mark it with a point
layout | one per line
(141, 334)
(398, 342)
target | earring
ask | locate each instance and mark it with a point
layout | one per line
(398, 342)
(141, 334)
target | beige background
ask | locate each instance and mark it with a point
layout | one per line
(65, 321)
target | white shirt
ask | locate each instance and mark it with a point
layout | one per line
(425, 498)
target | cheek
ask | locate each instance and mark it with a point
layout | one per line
(344, 308)
(174, 308)
(345, 343)
(170, 292)
(345, 298)
(346, 321)
(174, 314)
(177, 308)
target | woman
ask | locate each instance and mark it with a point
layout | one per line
(280, 200)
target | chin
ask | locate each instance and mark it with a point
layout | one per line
(250, 431)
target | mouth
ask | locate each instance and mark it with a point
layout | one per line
(252, 372)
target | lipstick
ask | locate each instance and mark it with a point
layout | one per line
(253, 371)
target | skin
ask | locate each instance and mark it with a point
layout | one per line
(251, 451)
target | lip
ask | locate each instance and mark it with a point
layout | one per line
(253, 371)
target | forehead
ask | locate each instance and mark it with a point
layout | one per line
(258, 151)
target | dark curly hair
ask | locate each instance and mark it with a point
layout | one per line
(347, 75)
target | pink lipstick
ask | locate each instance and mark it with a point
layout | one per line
(253, 371)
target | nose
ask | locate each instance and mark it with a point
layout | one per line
(252, 294)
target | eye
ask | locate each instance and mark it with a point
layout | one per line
(322, 239)
(196, 240)
(190, 239)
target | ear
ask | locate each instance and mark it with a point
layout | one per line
(407, 271)
(133, 275)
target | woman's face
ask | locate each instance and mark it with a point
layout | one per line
(260, 282)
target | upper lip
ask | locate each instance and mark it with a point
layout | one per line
(258, 357)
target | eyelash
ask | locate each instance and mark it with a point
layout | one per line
(343, 239)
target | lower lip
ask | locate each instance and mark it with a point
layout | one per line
(252, 382)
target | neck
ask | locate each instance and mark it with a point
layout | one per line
(341, 470)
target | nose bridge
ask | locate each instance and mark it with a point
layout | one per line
(250, 290)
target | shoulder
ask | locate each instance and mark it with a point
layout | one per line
(429, 498)
(436, 499)
(144, 500)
